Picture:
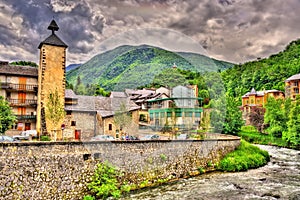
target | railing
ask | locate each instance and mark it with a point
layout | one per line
(26, 117)
(19, 87)
(22, 102)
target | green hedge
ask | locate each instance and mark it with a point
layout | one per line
(246, 156)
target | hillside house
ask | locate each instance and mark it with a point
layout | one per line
(19, 86)
(292, 86)
(182, 110)
(94, 115)
(254, 99)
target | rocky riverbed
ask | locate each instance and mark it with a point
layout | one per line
(279, 179)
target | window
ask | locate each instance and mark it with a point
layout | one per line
(151, 116)
(69, 112)
(197, 114)
(178, 114)
(73, 123)
(109, 127)
(189, 114)
(296, 90)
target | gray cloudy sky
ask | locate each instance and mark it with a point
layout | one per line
(232, 30)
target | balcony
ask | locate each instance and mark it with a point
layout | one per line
(26, 117)
(22, 102)
(19, 87)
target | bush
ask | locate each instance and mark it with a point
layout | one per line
(88, 197)
(245, 157)
(45, 138)
(105, 182)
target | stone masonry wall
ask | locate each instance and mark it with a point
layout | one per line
(61, 170)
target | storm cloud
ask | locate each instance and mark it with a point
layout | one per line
(232, 30)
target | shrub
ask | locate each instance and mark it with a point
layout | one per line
(105, 182)
(45, 138)
(88, 197)
(247, 156)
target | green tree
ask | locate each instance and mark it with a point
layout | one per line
(233, 119)
(24, 63)
(55, 111)
(123, 120)
(292, 135)
(275, 116)
(7, 118)
(169, 77)
(217, 114)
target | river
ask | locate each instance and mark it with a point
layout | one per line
(279, 179)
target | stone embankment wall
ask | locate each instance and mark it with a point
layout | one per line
(61, 170)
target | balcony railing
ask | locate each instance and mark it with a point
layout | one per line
(26, 117)
(22, 102)
(19, 87)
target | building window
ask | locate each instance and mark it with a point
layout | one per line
(296, 90)
(189, 114)
(295, 83)
(151, 116)
(197, 114)
(69, 112)
(73, 123)
(169, 114)
(109, 127)
(178, 114)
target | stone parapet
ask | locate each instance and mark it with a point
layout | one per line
(61, 170)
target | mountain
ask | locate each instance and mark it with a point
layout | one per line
(264, 74)
(72, 66)
(132, 66)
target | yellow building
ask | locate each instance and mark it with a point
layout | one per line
(255, 99)
(292, 86)
(51, 76)
(19, 87)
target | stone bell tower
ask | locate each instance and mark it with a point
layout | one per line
(51, 75)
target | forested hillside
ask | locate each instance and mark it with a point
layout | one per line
(268, 73)
(133, 66)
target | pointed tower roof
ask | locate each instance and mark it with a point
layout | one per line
(53, 39)
(253, 91)
(53, 26)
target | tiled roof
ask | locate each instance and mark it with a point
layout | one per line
(19, 70)
(70, 94)
(105, 106)
(118, 94)
(294, 77)
(53, 40)
(259, 93)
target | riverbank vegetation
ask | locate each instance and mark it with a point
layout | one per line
(250, 134)
(246, 156)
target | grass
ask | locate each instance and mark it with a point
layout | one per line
(246, 156)
(250, 134)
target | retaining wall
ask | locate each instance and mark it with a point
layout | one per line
(61, 170)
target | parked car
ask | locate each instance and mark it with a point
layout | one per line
(182, 137)
(102, 138)
(5, 138)
(26, 134)
(151, 137)
(130, 137)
